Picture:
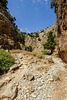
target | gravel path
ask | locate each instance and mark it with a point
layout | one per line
(32, 78)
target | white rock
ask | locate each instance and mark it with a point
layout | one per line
(14, 67)
(33, 95)
(10, 91)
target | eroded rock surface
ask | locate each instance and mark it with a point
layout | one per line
(8, 34)
(61, 12)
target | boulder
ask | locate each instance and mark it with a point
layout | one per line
(14, 67)
(29, 76)
(9, 92)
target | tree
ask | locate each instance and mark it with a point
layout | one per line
(14, 19)
(4, 3)
(50, 44)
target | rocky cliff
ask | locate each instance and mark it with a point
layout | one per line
(37, 41)
(61, 12)
(8, 34)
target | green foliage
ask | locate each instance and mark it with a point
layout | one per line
(21, 37)
(39, 39)
(50, 44)
(4, 3)
(11, 18)
(53, 3)
(37, 35)
(45, 52)
(6, 61)
(31, 35)
(42, 30)
(28, 48)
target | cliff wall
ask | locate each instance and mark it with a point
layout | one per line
(8, 34)
(61, 12)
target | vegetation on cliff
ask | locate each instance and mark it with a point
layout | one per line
(21, 37)
(28, 48)
(4, 3)
(50, 44)
(52, 3)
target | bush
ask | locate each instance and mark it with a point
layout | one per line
(31, 35)
(37, 35)
(4, 3)
(12, 19)
(39, 39)
(21, 37)
(6, 61)
(50, 44)
(42, 31)
(28, 48)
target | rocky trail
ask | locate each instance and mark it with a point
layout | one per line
(32, 78)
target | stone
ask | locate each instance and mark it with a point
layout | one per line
(20, 64)
(14, 67)
(56, 78)
(17, 62)
(9, 92)
(2, 83)
(7, 79)
(33, 95)
(65, 66)
(29, 77)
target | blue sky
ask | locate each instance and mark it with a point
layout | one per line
(32, 15)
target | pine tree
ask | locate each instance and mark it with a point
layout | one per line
(50, 44)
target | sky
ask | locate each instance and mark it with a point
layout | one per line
(32, 15)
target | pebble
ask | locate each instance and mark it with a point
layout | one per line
(33, 95)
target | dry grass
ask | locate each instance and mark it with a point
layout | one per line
(43, 69)
(35, 54)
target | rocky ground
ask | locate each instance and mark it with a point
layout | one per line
(32, 78)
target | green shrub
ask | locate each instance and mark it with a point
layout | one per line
(39, 39)
(4, 3)
(28, 48)
(21, 37)
(50, 44)
(12, 19)
(6, 61)
(31, 35)
(37, 35)
(42, 30)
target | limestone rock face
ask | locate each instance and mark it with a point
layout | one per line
(8, 35)
(61, 12)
